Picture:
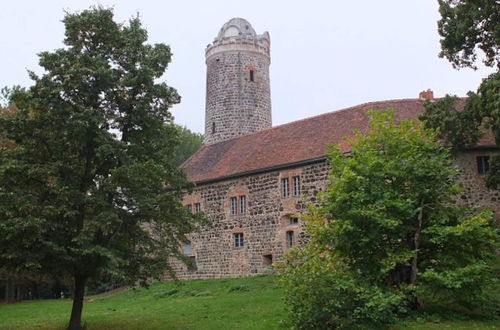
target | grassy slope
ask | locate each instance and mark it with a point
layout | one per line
(245, 303)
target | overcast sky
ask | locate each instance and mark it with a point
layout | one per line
(325, 55)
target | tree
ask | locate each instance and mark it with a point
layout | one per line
(465, 27)
(90, 185)
(387, 230)
(189, 143)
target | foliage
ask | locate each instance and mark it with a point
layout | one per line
(467, 25)
(90, 186)
(189, 143)
(386, 221)
(462, 128)
(323, 293)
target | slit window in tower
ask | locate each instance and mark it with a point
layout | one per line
(252, 75)
(213, 128)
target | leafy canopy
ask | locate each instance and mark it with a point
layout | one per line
(90, 185)
(466, 26)
(189, 143)
(386, 231)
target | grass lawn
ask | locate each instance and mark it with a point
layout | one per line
(244, 303)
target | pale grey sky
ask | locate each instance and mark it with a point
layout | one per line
(325, 55)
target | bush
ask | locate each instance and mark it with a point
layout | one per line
(321, 293)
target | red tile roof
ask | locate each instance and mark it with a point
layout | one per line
(290, 143)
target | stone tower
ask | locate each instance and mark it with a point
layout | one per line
(238, 99)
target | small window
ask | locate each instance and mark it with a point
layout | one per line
(294, 220)
(187, 249)
(252, 75)
(284, 188)
(197, 207)
(290, 239)
(267, 259)
(213, 128)
(192, 265)
(296, 185)
(234, 205)
(243, 204)
(190, 208)
(238, 240)
(483, 164)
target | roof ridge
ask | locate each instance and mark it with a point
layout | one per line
(315, 116)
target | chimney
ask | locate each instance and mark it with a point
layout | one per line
(426, 95)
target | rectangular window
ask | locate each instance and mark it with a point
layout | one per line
(252, 75)
(190, 208)
(243, 204)
(187, 249)
(284, 188)
(238, 240)
(234, 205)
(290, 240)
(197, 207)
(192, 265)
(483, 164)
(296, 185)
(294, 220)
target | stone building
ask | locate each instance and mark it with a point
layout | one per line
(253, 180)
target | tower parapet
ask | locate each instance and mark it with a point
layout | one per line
(238, 99)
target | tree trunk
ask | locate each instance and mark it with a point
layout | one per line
(76, 312)
(414, 263)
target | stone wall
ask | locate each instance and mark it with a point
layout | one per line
(475, 194)
(267, 217)
(264, 223)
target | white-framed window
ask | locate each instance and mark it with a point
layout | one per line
(238, 240)
(285, 192)
(290, 238)
(296, 185)
(243, 204)
(234, 205)
(197, 207)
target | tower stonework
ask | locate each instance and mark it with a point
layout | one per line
(238, 98)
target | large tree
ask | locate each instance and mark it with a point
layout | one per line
(89, 185)
(465, 27)
(387, 231)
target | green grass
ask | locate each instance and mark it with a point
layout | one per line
(244, 303)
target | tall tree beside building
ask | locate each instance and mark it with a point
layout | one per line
(90, 184)
(466, 27)
(387, 233)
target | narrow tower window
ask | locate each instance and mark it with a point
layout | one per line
(252, 75)
(213, 128)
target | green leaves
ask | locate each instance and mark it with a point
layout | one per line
(466, 26)
(386, 230)
(88, 179)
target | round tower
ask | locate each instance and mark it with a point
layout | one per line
(238, 99)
